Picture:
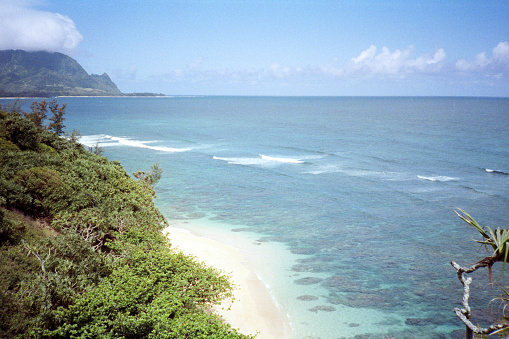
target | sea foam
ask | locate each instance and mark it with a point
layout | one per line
(284, 160)
(496, 171)
(246, 161)
(262, 160)
(101, 140)
(437, 178)
(104, 140)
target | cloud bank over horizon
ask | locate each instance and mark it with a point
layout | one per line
(372, 62)
(497, 65)
(23, 27)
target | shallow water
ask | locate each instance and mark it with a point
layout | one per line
(360, 192)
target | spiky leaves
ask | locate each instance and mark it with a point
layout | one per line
(497, 238)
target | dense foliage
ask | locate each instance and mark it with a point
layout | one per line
(81, 252)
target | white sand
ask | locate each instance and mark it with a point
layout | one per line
(253, 310)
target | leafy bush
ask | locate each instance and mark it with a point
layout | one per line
(152, 294)
(21, 132)
(46, 187)
(81, 252)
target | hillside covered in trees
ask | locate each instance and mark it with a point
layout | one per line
(44, 74)
(81, 252)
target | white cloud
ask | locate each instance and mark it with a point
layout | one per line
(501, 53)
(399, 66)
(280, 72)
(26, 28)
(437, 57)
(368, 54)
(196, 65)
(398, 63)
(497, 65)
(402, 63)
(370, 62)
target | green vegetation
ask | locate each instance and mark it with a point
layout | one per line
(81, 252)
(498, 240)
(44, 74)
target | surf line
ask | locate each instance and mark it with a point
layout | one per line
(142, 144)
(495, 171)
(285, 160)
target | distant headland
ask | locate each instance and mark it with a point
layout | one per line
(45, 74)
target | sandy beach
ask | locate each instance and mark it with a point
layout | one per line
(253, 310)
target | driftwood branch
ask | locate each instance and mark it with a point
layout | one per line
(465, 312)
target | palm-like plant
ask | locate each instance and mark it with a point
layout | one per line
(497, 238)
(504, 300)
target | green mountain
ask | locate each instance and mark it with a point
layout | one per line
(44, 74)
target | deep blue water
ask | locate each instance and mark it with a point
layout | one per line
(363, 189)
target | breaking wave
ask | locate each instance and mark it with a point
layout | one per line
(241, 161)
(438, 178)
(495, 171)
(284, 160)
(261, 160)
(103, 140)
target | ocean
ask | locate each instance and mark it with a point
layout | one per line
(356, 195)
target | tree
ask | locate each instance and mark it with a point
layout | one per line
(152, 177)
(13, 107)
(39, 112)
(498, 239)
(96, 149)
(56, 125)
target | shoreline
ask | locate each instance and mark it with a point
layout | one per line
(254, 310)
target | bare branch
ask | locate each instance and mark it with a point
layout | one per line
(465, 313)
(34, 252)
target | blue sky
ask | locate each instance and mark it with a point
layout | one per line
(261, 47)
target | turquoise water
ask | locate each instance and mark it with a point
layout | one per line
(360, 193)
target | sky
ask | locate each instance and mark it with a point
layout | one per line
(279, 47)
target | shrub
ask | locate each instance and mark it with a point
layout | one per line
(81, 252)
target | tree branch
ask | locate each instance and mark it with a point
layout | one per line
(31, 251)
(465, 313)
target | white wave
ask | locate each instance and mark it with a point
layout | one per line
(284, 160)
(143, 144)
(326, 169)
(382, 175)
(495, 171)
(242, 161)
(437, 178)
(311, 157)
(262, 160)
(103, 140)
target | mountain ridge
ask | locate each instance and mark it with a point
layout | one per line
(48, 74)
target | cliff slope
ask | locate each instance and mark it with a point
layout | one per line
(44, 74)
